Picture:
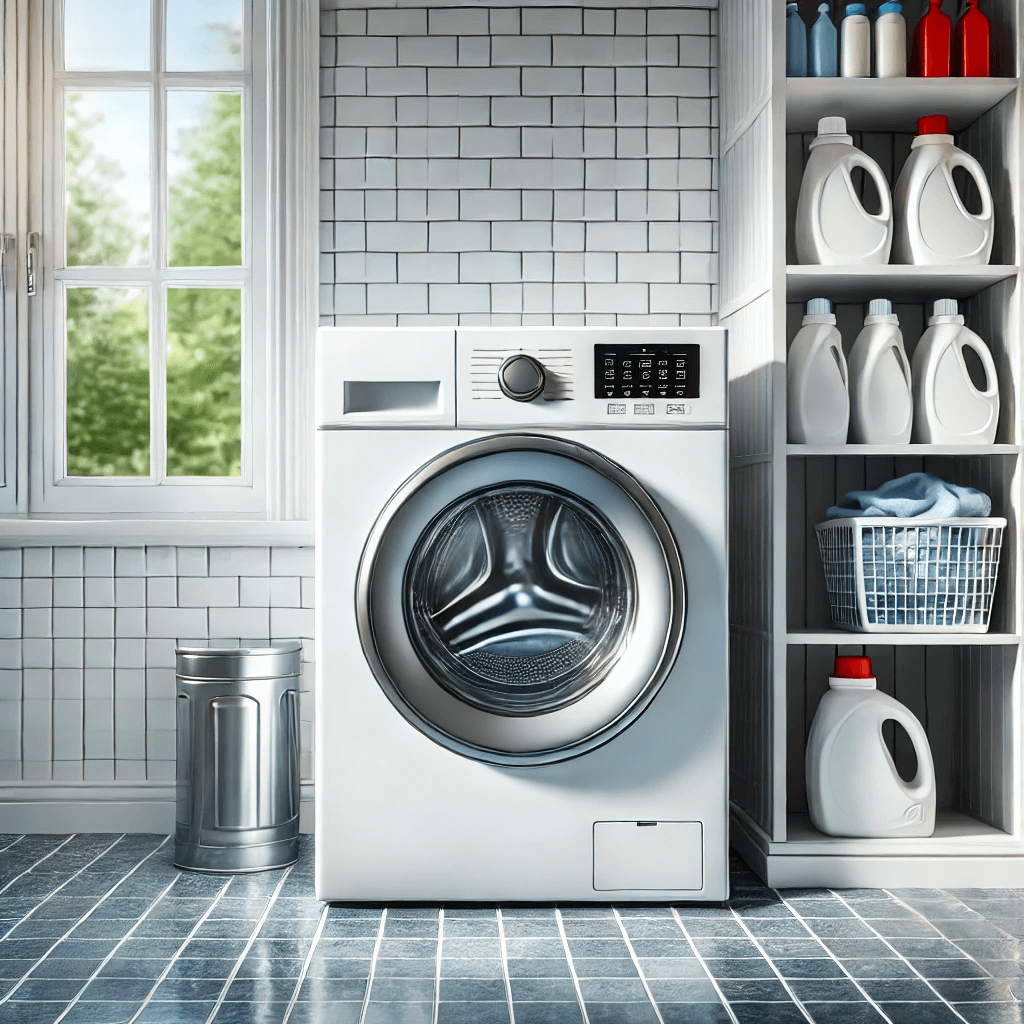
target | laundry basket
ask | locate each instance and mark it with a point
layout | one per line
(911, 575)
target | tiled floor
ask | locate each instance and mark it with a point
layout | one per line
(99, 929)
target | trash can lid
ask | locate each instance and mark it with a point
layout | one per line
(278, 659)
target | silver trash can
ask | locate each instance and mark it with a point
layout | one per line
(238, 754)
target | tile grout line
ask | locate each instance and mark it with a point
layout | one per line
(306, 962)
(9, 845)
(373, 966)
(110, 956)
(917, 973)
(704, 965)
(233, 973)
(504, 966)
(817, 938)
(572, 965)
(437, 966)
(177, 954)
(636, 964)
(78, 921)
(38, 862)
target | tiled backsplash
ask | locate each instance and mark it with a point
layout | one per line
(87, 638)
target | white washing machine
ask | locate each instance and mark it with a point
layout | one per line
(521, 615)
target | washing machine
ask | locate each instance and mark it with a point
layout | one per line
(521, 670)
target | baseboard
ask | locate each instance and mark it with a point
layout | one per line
(61, 807)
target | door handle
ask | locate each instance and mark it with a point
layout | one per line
(31, 257)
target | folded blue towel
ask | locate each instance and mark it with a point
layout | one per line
(916, 494)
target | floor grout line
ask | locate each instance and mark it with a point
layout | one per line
(504, 967)
(636, 964)
(177, 954)
(306, 962)
(572, 965)
(38, 862)
(252, 938)
(704, 964)
(4, 849)
(437, 966)
(110, 956)
(373, 965)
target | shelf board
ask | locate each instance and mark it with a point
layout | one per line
(900, 282)
(844, 637)
(897, 450)
(891, 105)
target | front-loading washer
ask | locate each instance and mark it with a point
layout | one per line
(521, 620)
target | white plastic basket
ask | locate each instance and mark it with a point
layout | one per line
(890, 575)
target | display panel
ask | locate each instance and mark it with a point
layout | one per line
(647, 371)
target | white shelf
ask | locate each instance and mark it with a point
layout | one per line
(848, 638)
(891, 105)
(896, 451)
(891, 281)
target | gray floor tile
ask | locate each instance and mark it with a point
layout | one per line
(548, 1013)
(473, 1013)
(694, 1013)
(621, 1013)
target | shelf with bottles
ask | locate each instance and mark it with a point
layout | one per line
(895, 451)
(900, 282)
(845, 638)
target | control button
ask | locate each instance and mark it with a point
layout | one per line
(645, 364)
(677, 410)
(521, 378)
(644, 409)
(616, 408)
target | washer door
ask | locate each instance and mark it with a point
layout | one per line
(521, 599)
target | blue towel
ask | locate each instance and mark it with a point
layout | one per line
(916, 494)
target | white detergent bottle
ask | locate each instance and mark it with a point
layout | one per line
(853, 788)
(933, 227)
(832, 226)
(881, 396)
(819, 401)
(948, 407)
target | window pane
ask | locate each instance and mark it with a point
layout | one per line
(107, 178)
(204, 164)
(106, 35)
(204, 382)
(108, 382)
(204, 35)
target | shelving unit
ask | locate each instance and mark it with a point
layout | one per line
(965, 688)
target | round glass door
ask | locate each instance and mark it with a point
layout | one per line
(521, 599)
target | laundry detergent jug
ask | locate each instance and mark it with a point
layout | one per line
(853, 788)
(832, 226)
(819, 400)
(881, 397)
(933, 226)
(948, 407)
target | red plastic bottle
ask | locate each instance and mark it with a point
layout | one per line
(971, 43)
(930, 56)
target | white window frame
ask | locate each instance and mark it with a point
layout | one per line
(280, 203)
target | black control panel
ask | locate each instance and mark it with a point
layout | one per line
(654, 371)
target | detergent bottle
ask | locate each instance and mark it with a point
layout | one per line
(948, 407)
(971, 45)
(931, 51)
(822, 59)
(796, 43)
(855, 45)
(853, 788)
(932, 225)
(890, 41)
(832, 227)
(881, 396)
(819, 402)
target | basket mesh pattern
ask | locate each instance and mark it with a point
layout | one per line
(891, 573)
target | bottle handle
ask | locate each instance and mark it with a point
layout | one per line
(925, 766)
(987, 362)
(973, 168)
(884, 216)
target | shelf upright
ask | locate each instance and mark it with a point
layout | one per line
(964, 688)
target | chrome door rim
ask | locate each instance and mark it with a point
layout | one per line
(630, 684)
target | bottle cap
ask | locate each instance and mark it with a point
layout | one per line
(823, 9)
(933, 124)
(849, 667)
(792, 7)
(879, 307)
(945, 307)
(856, 9)
(832, 126)
(819, 307)
(891, 8)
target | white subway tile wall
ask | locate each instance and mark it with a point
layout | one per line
(87, 638)
(518, 166)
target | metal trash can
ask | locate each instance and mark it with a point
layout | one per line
(238, 757)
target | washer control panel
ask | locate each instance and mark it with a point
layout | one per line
(647, 371)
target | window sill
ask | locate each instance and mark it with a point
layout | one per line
(137, 532)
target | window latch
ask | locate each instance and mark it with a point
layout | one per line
(31, 256)
(7, 243)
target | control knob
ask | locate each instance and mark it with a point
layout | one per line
(521, 378)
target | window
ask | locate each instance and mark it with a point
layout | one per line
(165, 190)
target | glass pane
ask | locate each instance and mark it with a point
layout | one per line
(519, 598)
(106, 35)
(204, 165)
(108, 382)
(204, 35)
(204, 382)
(107, 178)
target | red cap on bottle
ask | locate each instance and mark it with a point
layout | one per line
(933, 124)
(848, 667)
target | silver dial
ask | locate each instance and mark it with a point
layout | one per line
(521, 378)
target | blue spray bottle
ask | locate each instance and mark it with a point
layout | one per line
(822, 58)
(796, 43)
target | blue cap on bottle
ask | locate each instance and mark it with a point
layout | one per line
(792, 7)
(818, 307)
(856, 9)
(880, 307)
(823, 9)
(891, 8)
